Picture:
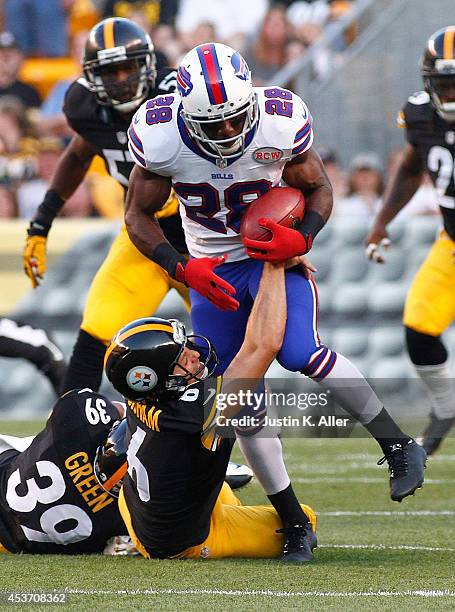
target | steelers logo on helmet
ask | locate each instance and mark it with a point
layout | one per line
(141, 359)
(142, 378)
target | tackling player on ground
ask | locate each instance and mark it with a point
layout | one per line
(173, 499)
(429, 120)
(50, 499)
(207, 143)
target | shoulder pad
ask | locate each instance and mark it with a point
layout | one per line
(286, 120)
(418, 109)
(418, 98)
(154, 145)
(80, 103)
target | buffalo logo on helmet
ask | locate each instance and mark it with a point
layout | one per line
(184, 84)
(240, 66)
(141, 378)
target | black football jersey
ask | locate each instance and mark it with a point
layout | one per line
(106, 131)
(50, 499)
(434, 139)
(176, 469)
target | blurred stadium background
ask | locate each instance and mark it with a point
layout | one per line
(354, 61)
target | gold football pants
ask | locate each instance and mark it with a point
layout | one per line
(235, 530)
(430, 303)
(127, 286)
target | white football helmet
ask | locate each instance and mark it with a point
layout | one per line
(214, 82)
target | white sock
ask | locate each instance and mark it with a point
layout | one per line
(440, 388)
(265, 458)
(351, 391)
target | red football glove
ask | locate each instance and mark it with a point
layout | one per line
(284, 244)
(198, 274)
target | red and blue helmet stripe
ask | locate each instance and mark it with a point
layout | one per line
(212, 73)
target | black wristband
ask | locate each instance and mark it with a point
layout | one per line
(311, 225)
(46, 213)
(168, 258)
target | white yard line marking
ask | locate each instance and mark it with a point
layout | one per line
(364, 480)
(383, 547)
(264, 592)
(388, 513)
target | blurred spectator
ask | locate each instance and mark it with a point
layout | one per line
(140, 18)
(49, 118)
(338, 8)
(203, 33)
(17, 152)
(424, 201)
(233, 20)
(295, 49)
(31, 193)
(12, 124)
(334, 171)
(10, 62)
(40, 26)
(8, 208)
(156, 11)
(301, 12)
(83, 16)
(308, 33)
(309, 20)
(365, 187)
(267, 52)
(168, 44)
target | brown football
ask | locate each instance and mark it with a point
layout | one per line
(284, 205)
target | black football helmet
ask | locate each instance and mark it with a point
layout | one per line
(141, 358)
(119, 63)
(438, 71)
(110, 460)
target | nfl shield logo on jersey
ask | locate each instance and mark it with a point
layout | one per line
(141, 378)
(122, 137)
(184, 84)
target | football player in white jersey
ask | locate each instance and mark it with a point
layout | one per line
(222, 143)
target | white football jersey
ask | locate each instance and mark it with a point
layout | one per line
(213, 194)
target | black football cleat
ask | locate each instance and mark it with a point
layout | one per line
(406, 466)
(299, 542)
(435, 432)
(238, 475)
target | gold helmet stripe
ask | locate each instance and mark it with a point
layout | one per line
(448, 44)
(108, 34)
(136, 330)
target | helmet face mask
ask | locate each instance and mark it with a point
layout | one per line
(204, 129)
(142, 361)
(438, 72)
(214, 82)
(119, 64)
(208, 362)
(110, 464)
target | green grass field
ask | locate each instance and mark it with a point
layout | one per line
(373, 553)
